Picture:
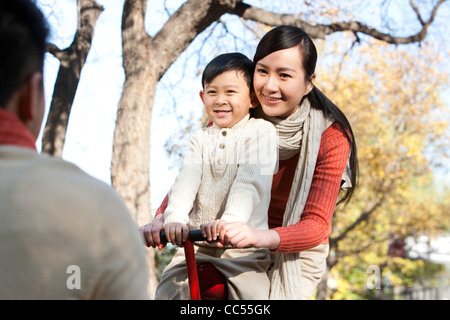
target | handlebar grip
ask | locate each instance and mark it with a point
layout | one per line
(162, 236)
(194, 235)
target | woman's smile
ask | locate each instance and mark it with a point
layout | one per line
(271, 100)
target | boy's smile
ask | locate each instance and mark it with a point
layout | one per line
(227, 99)
(222, 113)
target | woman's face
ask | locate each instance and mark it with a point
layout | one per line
(279, 82)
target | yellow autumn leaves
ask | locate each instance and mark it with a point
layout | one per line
(392, 97)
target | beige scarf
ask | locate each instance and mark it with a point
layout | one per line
(300, 132)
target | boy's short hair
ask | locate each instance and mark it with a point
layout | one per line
(227, 62)
(23, 37)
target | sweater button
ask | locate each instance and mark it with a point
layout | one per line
(219, 162)
(222, 146)
(224, 133)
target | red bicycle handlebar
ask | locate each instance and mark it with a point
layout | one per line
(191, 265)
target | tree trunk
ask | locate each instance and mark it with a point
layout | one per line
(131, 148)
(72, 60)
(322, 287)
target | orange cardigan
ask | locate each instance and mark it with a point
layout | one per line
(314, 227)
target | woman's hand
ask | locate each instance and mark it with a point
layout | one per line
(151, 231)
(240, 235)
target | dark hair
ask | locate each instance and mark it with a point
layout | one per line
(23, 36)
(284, 37)
(234, 61)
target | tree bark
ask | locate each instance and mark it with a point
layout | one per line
(72, 60)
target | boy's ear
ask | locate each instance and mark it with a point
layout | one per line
(202, 96)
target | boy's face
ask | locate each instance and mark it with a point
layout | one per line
(227, 99)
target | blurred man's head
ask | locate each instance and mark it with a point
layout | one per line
(23, 36)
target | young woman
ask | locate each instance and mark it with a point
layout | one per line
(317, 153)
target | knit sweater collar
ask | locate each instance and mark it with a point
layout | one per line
(14, 132)
(234, 128)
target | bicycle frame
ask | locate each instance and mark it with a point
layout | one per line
(191, 265)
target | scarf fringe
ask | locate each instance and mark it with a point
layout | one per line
(300, 132)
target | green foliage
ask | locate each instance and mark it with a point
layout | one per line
(162, 259)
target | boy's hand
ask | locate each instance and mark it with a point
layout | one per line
(212, 229)
(176, 232)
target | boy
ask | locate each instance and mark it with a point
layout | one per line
(226, 177)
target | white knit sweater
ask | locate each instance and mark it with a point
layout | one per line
(226, 174)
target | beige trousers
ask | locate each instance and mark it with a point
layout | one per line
(245, 270)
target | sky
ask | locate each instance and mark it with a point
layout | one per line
(92, 120)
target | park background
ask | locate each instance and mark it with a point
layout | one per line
(392, 241)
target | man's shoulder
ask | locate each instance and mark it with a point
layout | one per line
(58, 184)
(62, 169)
(67, 180)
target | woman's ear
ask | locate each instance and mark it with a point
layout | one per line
(310, 84)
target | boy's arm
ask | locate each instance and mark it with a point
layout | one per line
(162, 207)
(181, 198)
(165, 202)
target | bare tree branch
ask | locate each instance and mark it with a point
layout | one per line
(377, 200)
(374, 204)
(322, 30)
(55, 51)
(184, 25)
(416, 10)
(363, 248)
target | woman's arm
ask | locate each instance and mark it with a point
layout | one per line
(173, 215)
(241, 235)
(314, 226)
